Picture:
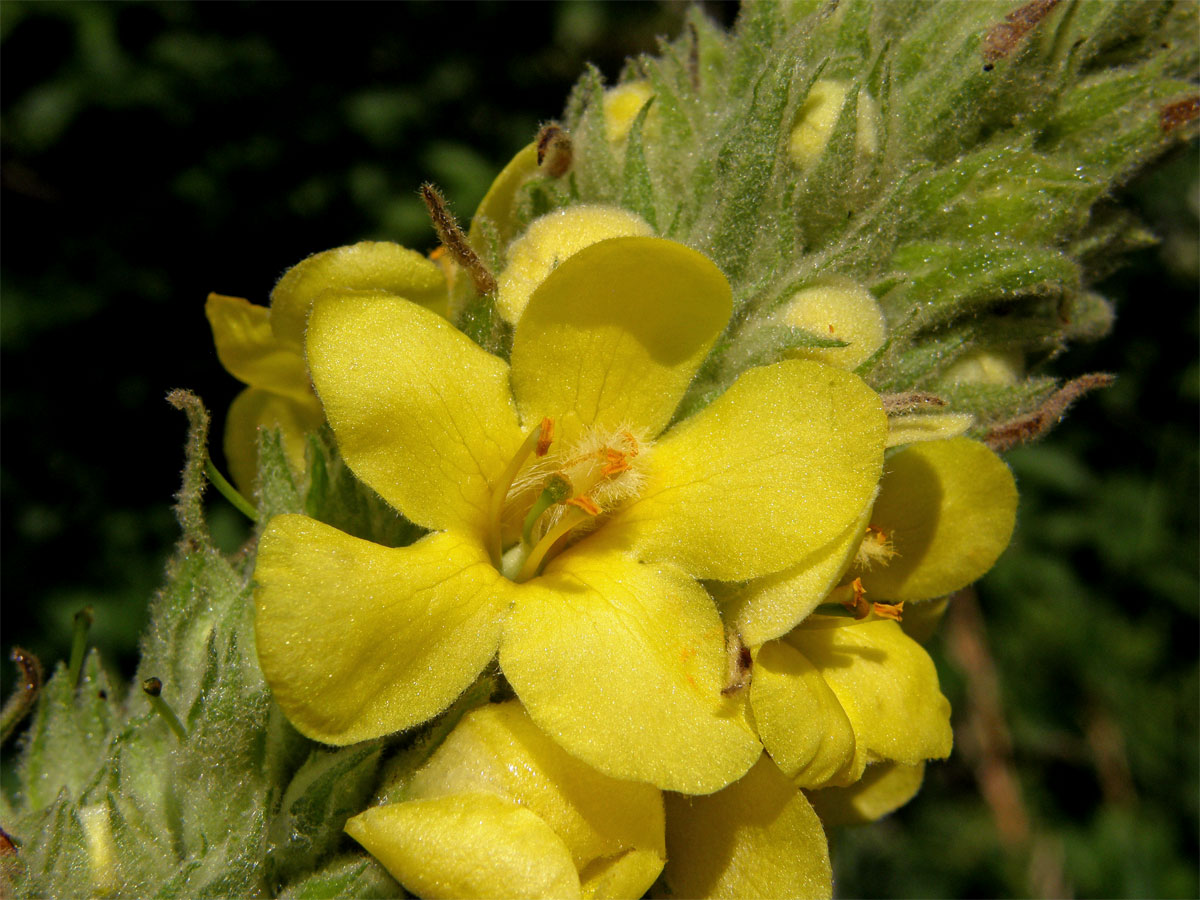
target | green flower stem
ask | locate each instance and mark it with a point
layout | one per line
(229, 492)
(21, 702)
(83, 623)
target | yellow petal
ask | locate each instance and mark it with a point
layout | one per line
(358, 640)
(550, 240)
(420, 412)
(249, 350)
(799, 718)
(497, 749)
(365, 266)
(497, 204)
(474, 846)
(768, 474)
(623, 665)
(255, 408)
(883, 789)
(770, 607)
(887, 685)
(615, 334)
(917, 427)
(949, 508)
(620, 877)
(759, 837)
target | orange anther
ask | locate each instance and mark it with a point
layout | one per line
(631, 442)
(617, 462)
(438, 252)
(545, 437)
(858, 603)
(893, 611)
(586, 503)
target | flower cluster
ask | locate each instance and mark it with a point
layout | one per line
(699, 618)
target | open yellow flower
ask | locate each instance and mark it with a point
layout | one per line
(263, 347)
(837, 694)
(500, 809)
(567, 533)
(499, 803)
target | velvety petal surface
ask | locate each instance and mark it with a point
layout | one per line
(799, 718)
(770, 607)
(255, 408)
(249, 350)
(497, 749)
(358, 640)
(623, 664)
(365, 266)
(475, 846)
(497, 204)
(613, 337)
(620, 877)
(758, 838)
(949, 508)
(888, 686)
(420, 412)
(883, 789)
(771, 472)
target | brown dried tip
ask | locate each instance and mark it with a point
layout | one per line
(555, 151)
(152, 686)
(20, 702)
(1173, 115)
(907, 401)
(1003, 37)
(1025, 428)
(451, 235)
(740, 662)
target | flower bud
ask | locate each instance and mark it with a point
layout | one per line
(818, 116)
(842, 309)
(621, 106)
(553, 238)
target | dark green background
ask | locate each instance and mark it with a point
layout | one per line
(153, 153)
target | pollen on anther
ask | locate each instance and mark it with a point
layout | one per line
(586, 503)
(545, 437)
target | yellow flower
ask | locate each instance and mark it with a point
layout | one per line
(501, 810)
(837, 694)
(757, 838)
(569, 530)
(264, 347)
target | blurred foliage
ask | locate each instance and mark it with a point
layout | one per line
(155, 152)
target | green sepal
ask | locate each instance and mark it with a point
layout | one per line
(638, 193)
(334, 496)
(276, 491)
(354, 875)
(329, 787)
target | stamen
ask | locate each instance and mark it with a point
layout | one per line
(533, 561)
(153, 689)
(616, 462)
(857, 603)
(586, 503)
(893, 611)
(539, 439)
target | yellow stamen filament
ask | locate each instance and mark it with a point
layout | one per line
(533, 561)
(539, 439)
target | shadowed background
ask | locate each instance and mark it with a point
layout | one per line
(153, 153)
